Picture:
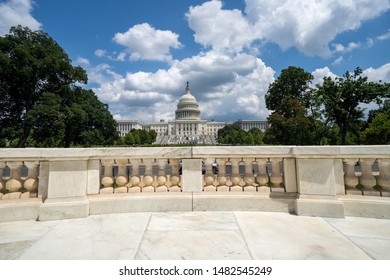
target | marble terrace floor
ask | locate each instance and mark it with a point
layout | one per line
(197, 236)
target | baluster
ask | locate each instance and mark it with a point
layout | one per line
(135, 179)
(222, 177)
(11, 177)
(367, 180)
(121, 179)
(161, 179)
(30, 180)
(358, 173)
(174, 179)
(249, 178)
(350, 180)
(236, 177)
(262, 177)
(148, 179)
(277, 177)
(384, 177)
(107, 181)
(209, 177)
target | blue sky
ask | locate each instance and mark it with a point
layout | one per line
(139, 54)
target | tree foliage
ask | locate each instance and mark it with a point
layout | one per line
(326, 114)
(378, 130)
(39, 100)
(342, 96)
(139, 137)
(295, 110)
(234, 135)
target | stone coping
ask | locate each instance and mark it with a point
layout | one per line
(60, 154)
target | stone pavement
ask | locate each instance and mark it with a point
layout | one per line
(197, 236)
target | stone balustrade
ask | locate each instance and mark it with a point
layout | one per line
(329, 181)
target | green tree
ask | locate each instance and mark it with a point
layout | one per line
(292, 84)
(342, 96)
(384, 108)
(257, 136)
(295, 109)
(129, 139)
(47, 121)
(42, 104)
(144, 137)
(234, 135)
(152, 136)
(31, 63)
(137, 138)
(378, 130)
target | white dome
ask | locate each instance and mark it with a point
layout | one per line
(187, 108)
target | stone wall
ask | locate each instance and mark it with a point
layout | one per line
(329, 181)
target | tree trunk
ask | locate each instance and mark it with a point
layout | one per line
(23, 138)
(343, 130)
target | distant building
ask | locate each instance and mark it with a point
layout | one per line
(249, 124)
(124, 126)
(188, 127)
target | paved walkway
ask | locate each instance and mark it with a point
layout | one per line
(197, 236)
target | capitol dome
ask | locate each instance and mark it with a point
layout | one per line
(187, 108)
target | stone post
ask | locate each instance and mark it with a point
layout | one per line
(318, 183)
(191, 175)
(67, 191)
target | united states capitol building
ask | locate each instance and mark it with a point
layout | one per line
(188, 127)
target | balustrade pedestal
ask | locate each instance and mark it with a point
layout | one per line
(318, 181)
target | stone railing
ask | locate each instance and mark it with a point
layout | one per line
(330, 181)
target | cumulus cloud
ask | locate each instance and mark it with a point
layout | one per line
(17, 12)
(144, 42)
(310, 25)
(218, 28)
(228, 83)
(320, 73)
(227, 87)
(379, 74)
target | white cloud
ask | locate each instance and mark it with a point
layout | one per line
(82, 60)
(384, 36)
(144, 42)
(338, 60)
(100, 53)
(339, 48)
(320, 73)
(17, 12)
(218, 28)
(227, 87)
(310, 25)
(121, 56)
(379, 74)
